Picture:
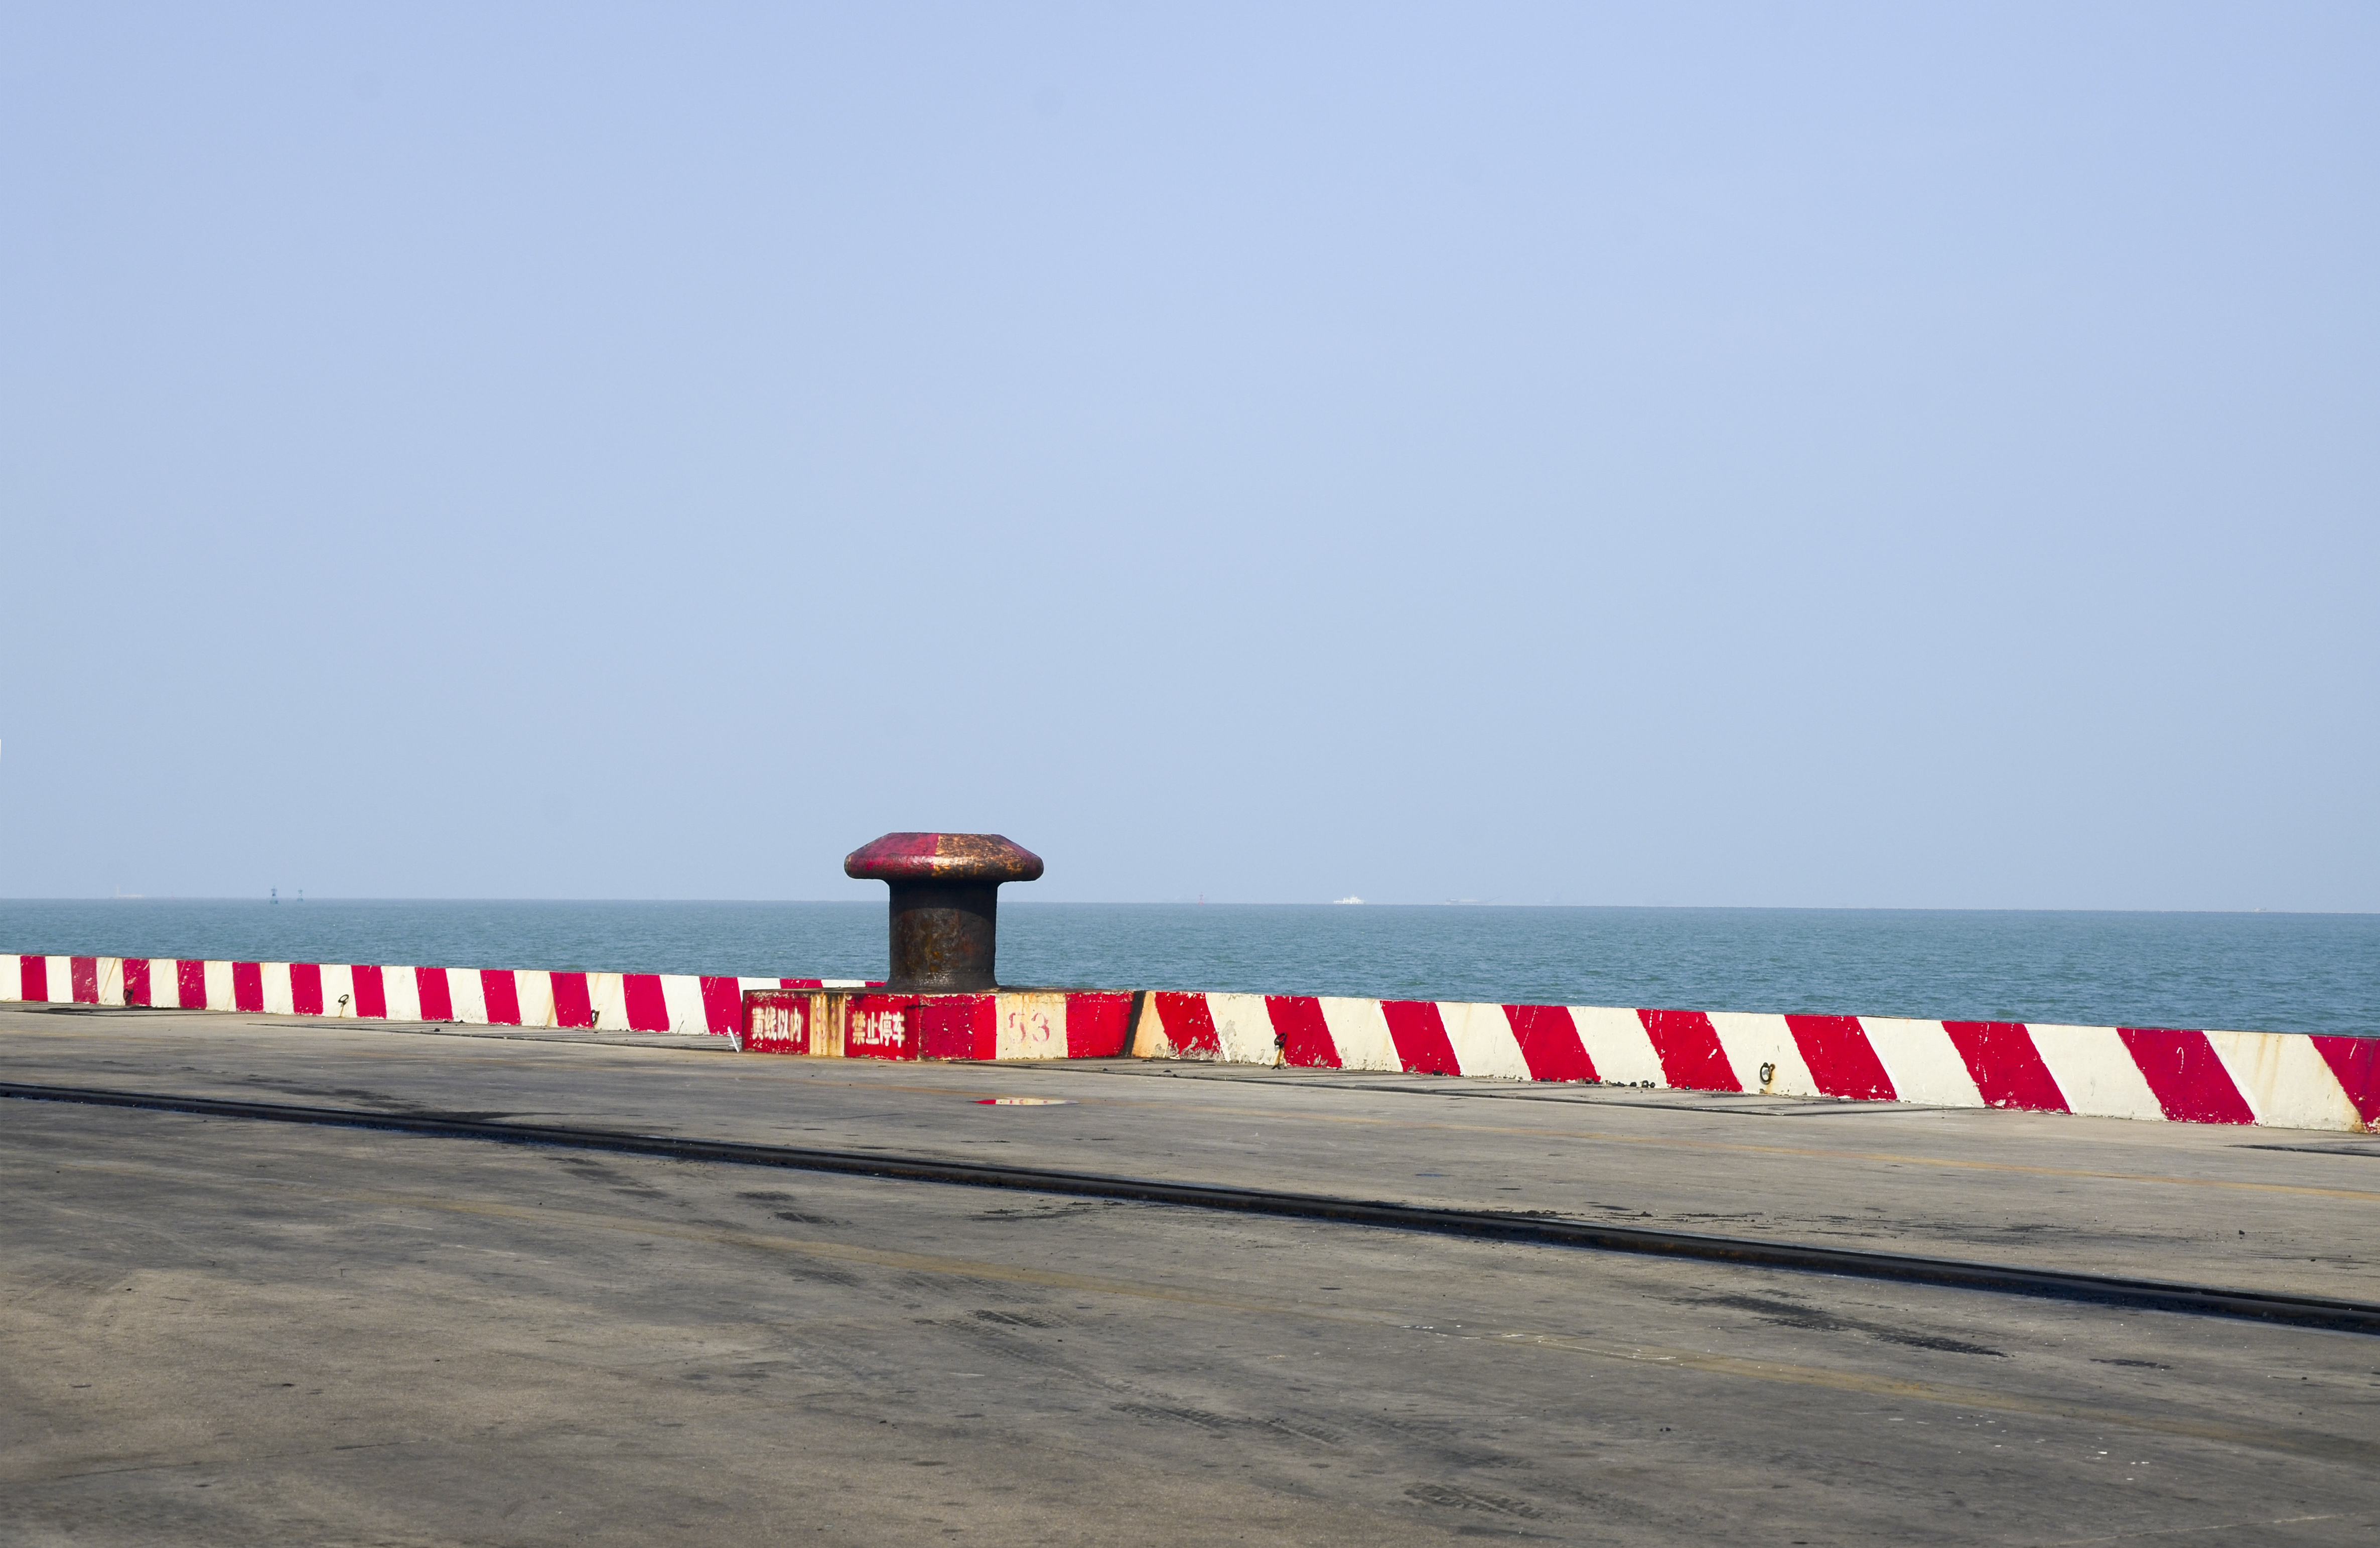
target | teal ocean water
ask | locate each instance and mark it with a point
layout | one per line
(2250, 972)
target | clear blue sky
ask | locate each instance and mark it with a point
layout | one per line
(1887, 455)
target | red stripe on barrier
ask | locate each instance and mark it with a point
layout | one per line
(958, 1027)
(1691, 1057)
(437, 1002)
(136, 980)
(33, 978)
(1188, 1022)
(306, 988)
(82, 978)
(191, 985)
(2356, 1062)
(247, 986)
(1305, 1037)
(2188, 1079)
(573, 1006)
(501, 993)
(647, 1010)
(1099, 1025)
(723, 1005)
(2006, 1067)
(371, 992)
(1419, 1033)
(1841, 1058)
(1549, 1042)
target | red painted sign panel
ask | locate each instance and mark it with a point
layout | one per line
(880, 1027)
(777, 1021)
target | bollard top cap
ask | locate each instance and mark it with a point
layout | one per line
(942, 857)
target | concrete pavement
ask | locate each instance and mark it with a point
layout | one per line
(230, 1331)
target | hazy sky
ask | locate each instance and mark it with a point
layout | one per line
(1762, 455)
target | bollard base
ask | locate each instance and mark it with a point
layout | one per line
(884, 1024)
(943, 937)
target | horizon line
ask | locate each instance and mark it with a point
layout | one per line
(1209, 903)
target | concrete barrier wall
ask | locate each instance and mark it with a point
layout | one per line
(684, 1004)
(2285, 1078)
(2281, 1078)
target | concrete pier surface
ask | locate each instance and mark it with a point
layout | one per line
(226, 1330)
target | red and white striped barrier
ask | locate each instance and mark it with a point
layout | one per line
(2287, 1080)
(677, 1003)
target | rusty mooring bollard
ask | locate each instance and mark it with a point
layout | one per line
(946, 904)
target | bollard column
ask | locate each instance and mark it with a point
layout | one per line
(946, 904)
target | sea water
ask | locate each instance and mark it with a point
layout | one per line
(2249, 972)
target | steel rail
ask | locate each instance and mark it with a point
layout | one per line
(2312, 1312)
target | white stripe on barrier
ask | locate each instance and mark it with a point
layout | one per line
(682, 995)
(609, 999)
(536, 992)
(1920, 1061)
(1751, 1042)
(1361, 1031)
(1618, 1046)
(2284, 1080)
(1482, 1038)
(402, 992)
(467, 996)
(338, 990)
(2095, 1072)
(1243, 1027)
(278, 1000)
